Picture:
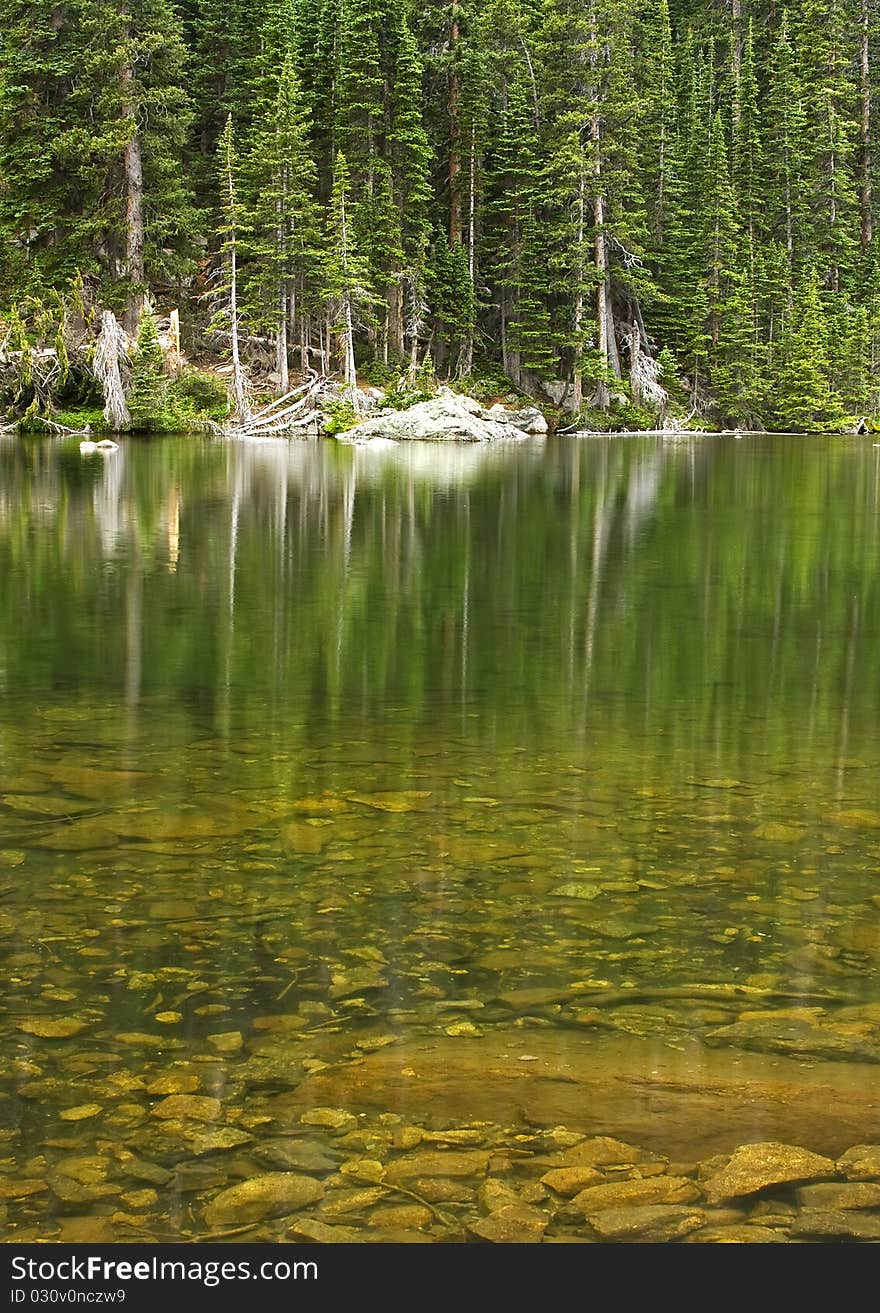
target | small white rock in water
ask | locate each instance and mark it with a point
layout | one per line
(87, 448)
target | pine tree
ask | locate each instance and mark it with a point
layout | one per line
(45, 235)
(826, 37)
(347, 292)
(149, 383)
(803, 399)
(512, 201)
(282, 249)
(655, 73)
(128, 120)
(230, 233)
(747, 166)
(738, 358)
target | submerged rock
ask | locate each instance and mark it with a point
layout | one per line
(621, 1194)
(454, 1162)
(835, 1224)
(754, 1167)
(801, 1037)
(197, 1107)
(270, 1195)
(861, 1163)
(846, 1194)
(689, 1101)
(648, 1222)
(512, 1224)
(51, 1027)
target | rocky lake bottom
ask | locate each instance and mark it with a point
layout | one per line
(448, 846)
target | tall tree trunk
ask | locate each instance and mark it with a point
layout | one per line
(395, 326)
(282, 361)
(283, 368)
(867, 162)
(603, 313)
(736, 14)
(349, 369)
(577, 382)
(603, 310)
(455, 227)
(466, 357)
(832, 195)
(133, 170)
(239, 390)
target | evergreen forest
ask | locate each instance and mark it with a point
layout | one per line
(621, 206)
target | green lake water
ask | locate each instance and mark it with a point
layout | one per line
(365, 800)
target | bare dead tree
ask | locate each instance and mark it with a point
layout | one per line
(109, 365)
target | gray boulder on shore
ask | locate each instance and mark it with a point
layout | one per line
(450, 417)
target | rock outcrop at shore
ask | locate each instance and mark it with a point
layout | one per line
(450, 417)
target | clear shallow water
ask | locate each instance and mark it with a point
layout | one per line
(342, 778)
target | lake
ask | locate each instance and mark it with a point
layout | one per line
(441, 843)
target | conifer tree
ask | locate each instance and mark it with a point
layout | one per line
(149, 383)
(803, 398)
(230, 233)
(93, 121)
(46, 233)
(347, 292)
(281, 279)
(129, 119)
(655, 73)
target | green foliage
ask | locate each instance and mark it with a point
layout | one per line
(804, 400)
(339, 417)
(200, 395)
(148, 397)
(406, 392)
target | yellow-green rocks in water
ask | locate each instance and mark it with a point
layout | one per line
(197, 1107)
(51, 1027)
(174, 1082)
(217, 1138)
(321, 1233)
(754, 1167)
(229, 1042)
(300, 837)
(569, 1181)
(140, 1198)
(624, 1194)
(455, 1162)
(22, 1189)
(407, 1216)
(272, 1195)
(82, 1112)
(367, 1170)
(336, 1119)
(512, 1224)
(649, 1223)
(466, 1029)
(857, 818)
(578, 889)
(861, 1163)
(319, 806)
(406, 800)
(840, 1195)
(776, 832)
